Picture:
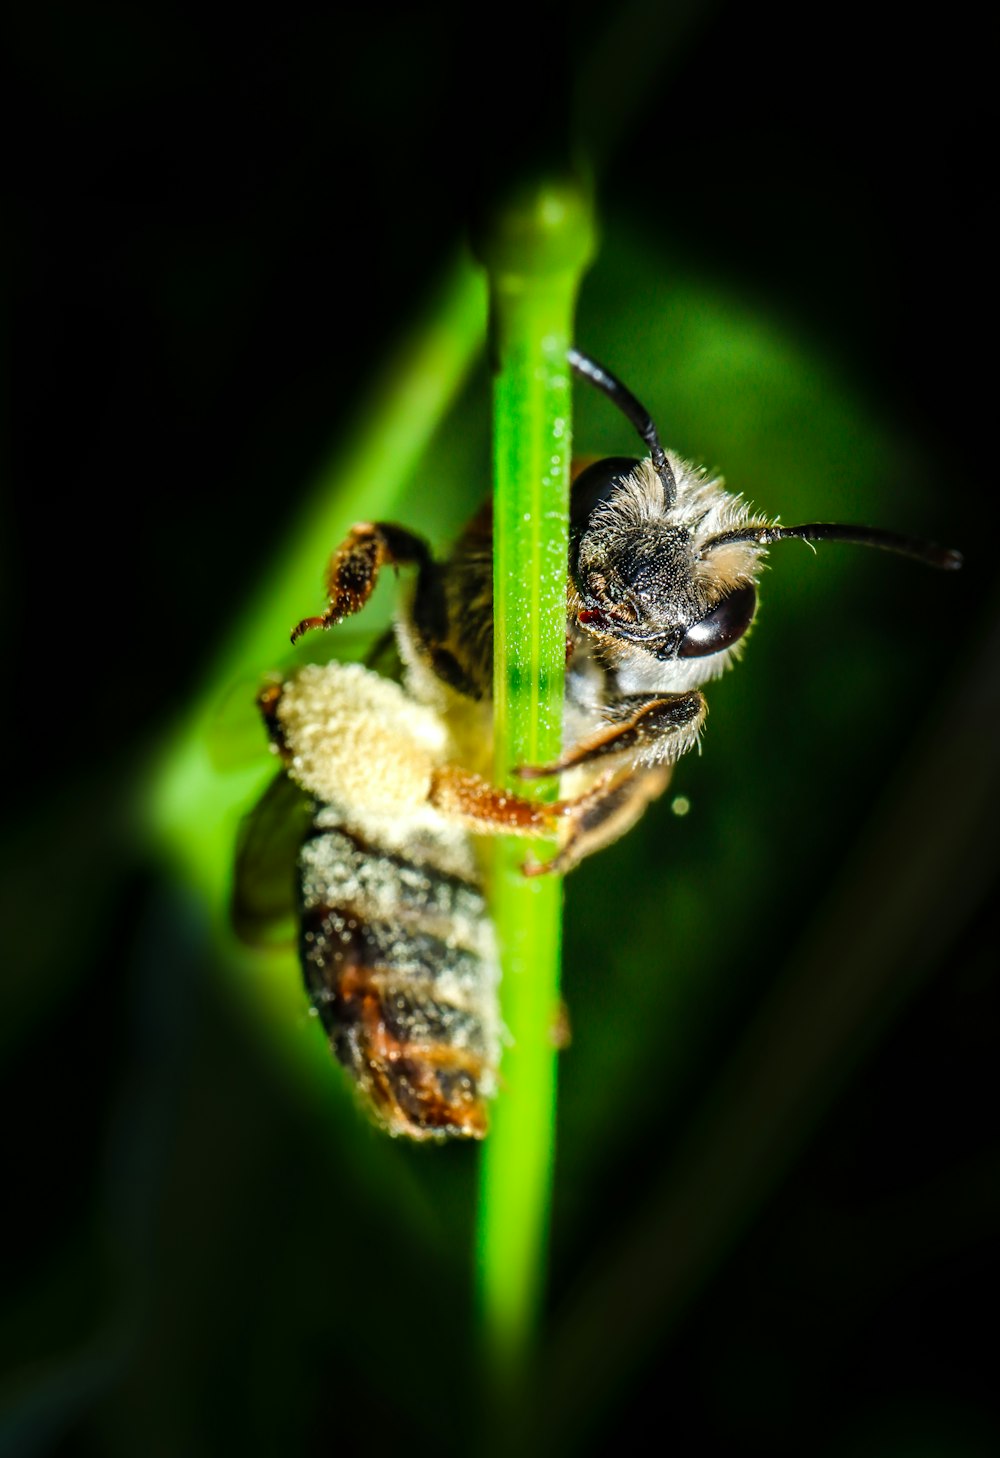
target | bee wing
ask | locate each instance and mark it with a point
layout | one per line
(264, 897)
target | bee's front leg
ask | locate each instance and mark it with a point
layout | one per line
(355, 566)
(650, 729)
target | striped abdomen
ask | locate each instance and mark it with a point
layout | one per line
(399, 962)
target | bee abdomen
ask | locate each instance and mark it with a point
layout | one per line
(400, 965)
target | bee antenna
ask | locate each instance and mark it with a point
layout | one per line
(822, 531)
(620, 395)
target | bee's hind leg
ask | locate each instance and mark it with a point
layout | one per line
(601, 815)
(581, 825)
(643, 736)
(488, 810)
(354, 569)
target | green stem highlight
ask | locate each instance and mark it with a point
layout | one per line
(535, 256)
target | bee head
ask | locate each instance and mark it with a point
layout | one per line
(643, 564)
(664, 561)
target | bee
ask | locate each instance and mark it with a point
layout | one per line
(395, 938)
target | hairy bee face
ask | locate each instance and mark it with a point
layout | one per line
(662, 600)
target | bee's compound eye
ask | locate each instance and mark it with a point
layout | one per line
(727, 622)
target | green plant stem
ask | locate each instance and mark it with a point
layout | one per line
(535, 255)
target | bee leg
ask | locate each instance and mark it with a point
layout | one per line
(649, 729)
(598, 817)
(583, 824)
(489, 810)
(355, 566)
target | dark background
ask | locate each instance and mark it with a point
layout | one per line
(214, 233)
